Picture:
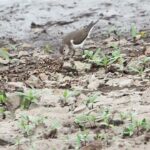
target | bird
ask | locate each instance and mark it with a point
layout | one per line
(76, 39)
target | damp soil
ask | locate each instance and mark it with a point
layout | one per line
(77, 104)
(42, 22)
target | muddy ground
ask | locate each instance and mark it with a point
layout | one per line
(99, 100)
(55, 18)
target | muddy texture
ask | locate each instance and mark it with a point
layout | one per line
(96, 101)
(47, 21)
(76, 103)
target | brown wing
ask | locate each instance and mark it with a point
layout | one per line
(80, 36)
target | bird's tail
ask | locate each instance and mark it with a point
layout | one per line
(92, 23)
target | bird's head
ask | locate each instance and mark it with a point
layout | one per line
(64, 50)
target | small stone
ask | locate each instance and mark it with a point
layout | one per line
(121, 82)
(146, 97)
(4, 61)
(33, 81)
(138, 37)
(43, 76)
(80, 66)
(94, 83)
(121, 42)
(108, 40)
(47, 98)
(17, 84)
(147, 52)
(15, 60)
(49, 84)
(100, 74)
(67, 65)
(8, 133)
(13, 101)
(23, 53)
(94, 145)
(80, 109)
(126, 82)
(26, 45)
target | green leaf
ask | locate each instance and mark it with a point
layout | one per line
(4, 54)
(134, 31)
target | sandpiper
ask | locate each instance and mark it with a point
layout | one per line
(76, 39)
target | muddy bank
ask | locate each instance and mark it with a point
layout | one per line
(59, 17)
(98, 101)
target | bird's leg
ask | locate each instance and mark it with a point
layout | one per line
(71, 50)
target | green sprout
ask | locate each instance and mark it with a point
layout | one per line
(100, 136)
(138, 70)
(28, 124)
(142, 124)
(81, 120)
(105, 61)
(4, 54)
(18, 142)
(123, 116)
(88, 54)
(12, 47)
(3, 97)
(140, 67)
(116, 55)
(65, 99)
(134, 31)
(93, 57)
(106, 117)
(91, 100)
(28, 97)
(82, 138)
(136, 126)
(129, 131)
(47, 48)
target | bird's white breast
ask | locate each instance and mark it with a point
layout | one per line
(77, 45)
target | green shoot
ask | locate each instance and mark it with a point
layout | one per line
(116, 55)
(12, 47)
(136, 126)
(3, 97)
(105, 61)
(65, 99)
(100, 136)
(28, 97)
(82, 138)
(47, 48)
(123, 116)
(4, 54)
(134, 31)
(88, 54)
(18, 143)
(91, 100)
(129, 131)
(81, 120)
(28, 124)
(106, 117)
(138, 70)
